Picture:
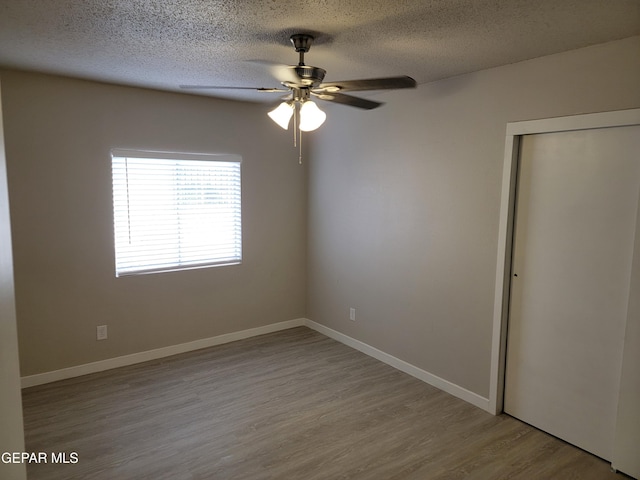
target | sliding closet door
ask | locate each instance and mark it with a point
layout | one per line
(576, 211)
(626, 452)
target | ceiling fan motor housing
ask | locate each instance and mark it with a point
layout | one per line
(309, 76)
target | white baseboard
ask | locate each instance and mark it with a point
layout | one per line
(440, 383)
(76, 371)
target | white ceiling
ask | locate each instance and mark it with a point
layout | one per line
(164, 43)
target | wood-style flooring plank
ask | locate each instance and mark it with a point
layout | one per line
(288, 405)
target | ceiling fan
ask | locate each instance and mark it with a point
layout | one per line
(302, 82)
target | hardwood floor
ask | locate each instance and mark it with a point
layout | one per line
(288, 405)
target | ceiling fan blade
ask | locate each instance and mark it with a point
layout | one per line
(387, 83)
(213, 87)
(282, 73)
(348, 100)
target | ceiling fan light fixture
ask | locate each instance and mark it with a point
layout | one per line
(311, 117)
(282, 114)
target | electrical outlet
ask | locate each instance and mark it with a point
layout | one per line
(101, 332)
(352, 314)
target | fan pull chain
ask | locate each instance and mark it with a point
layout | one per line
(297, 141)
(300, 145)
(295, 125)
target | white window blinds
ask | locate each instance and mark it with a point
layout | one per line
(175, 211)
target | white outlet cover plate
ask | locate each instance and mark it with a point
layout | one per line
(101, 332)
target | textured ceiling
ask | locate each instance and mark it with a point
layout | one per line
(164, 43)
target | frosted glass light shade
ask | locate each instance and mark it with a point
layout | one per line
(311, 117)
(282, 114)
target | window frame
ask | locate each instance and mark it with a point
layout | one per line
(174, 156)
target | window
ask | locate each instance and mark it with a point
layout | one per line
(174, 211)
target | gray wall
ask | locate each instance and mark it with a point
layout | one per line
(404, 203)
(11, 428)
(59, 132)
